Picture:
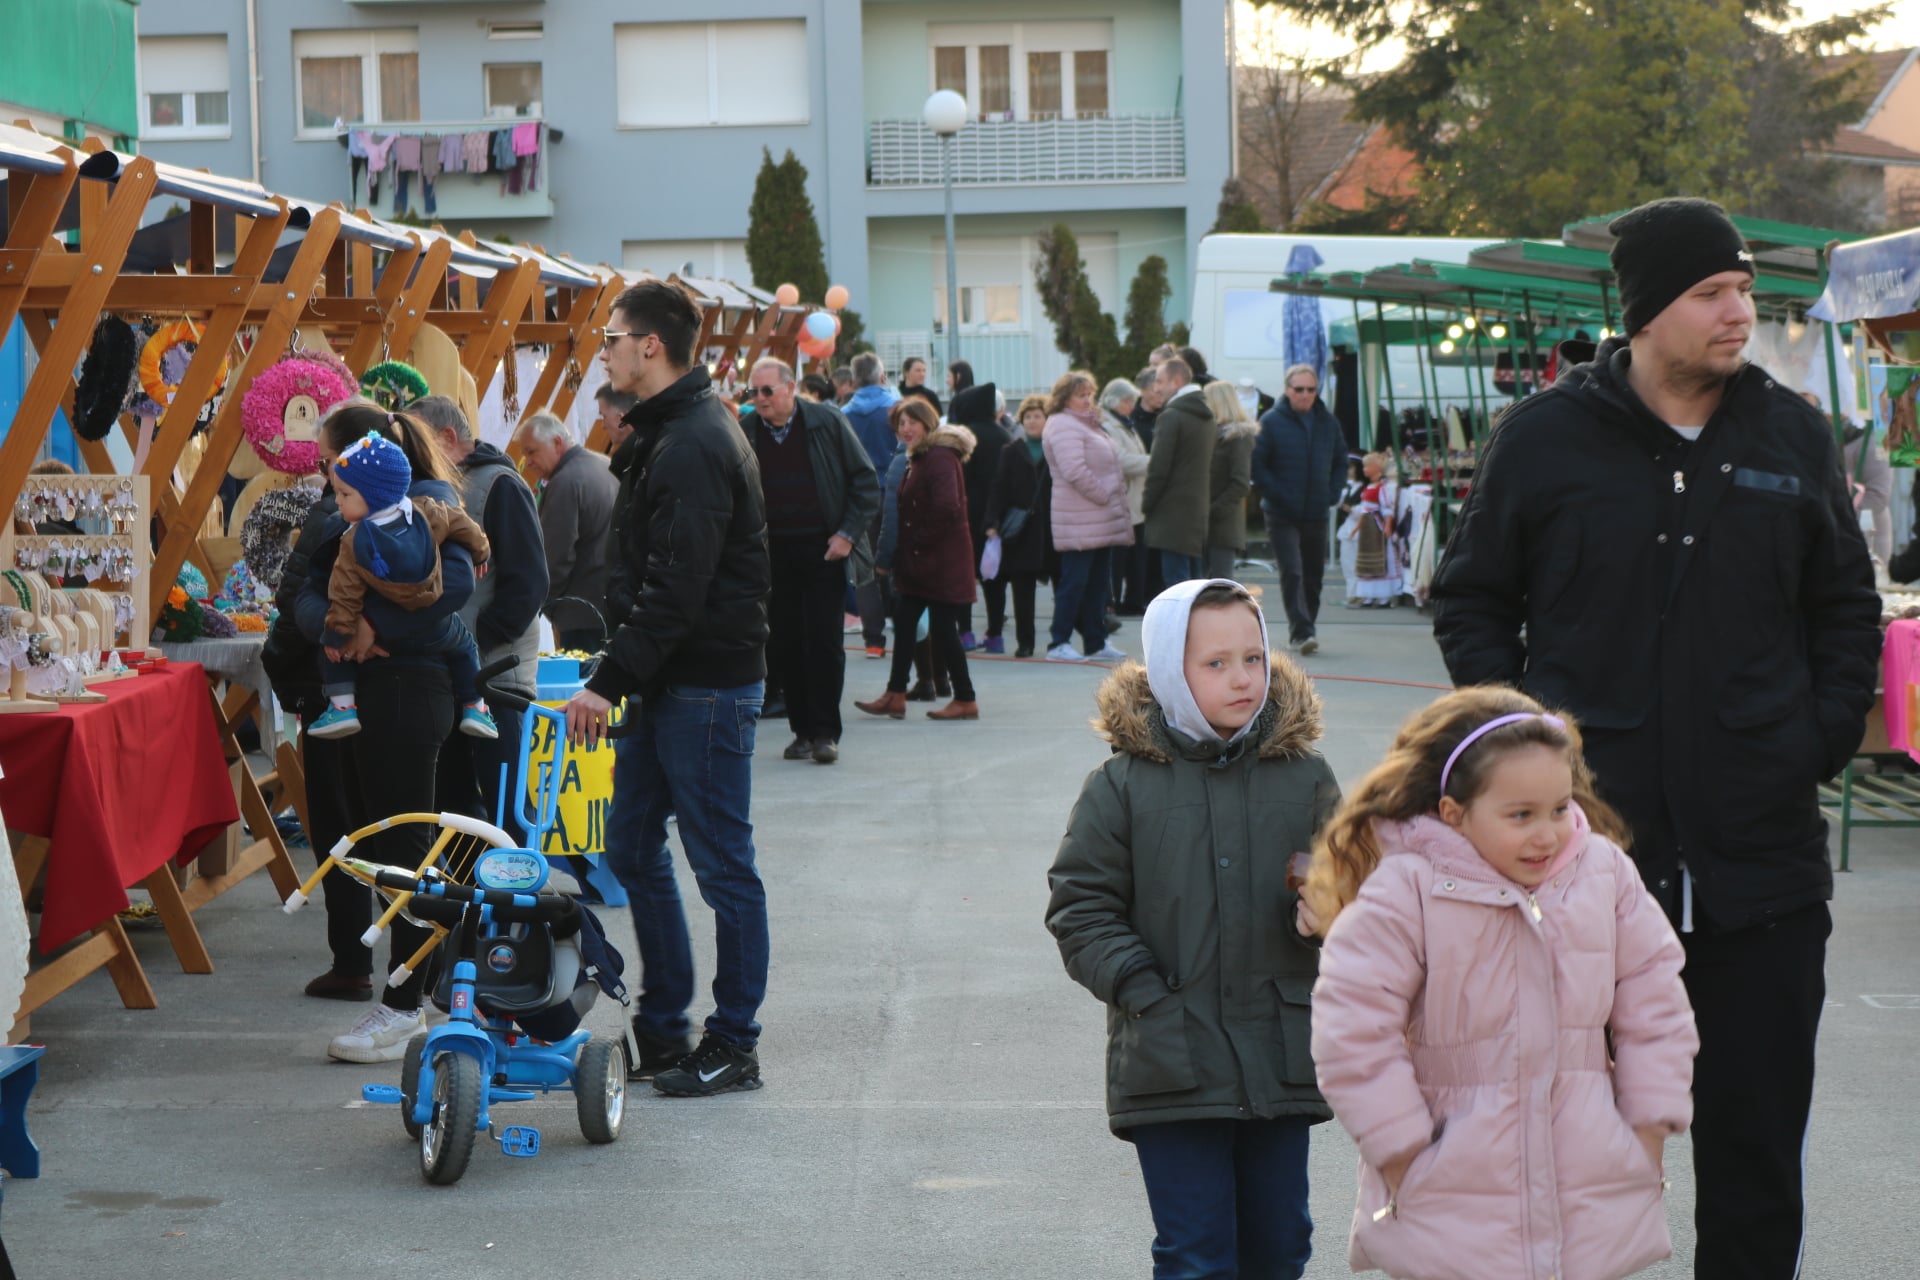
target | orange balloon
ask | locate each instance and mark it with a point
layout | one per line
(786, 295)
(836, 297)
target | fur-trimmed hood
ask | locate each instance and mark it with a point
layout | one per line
(948, 436)
(1238, 431)
(1130, 718)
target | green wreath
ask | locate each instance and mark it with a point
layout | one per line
(393, 385)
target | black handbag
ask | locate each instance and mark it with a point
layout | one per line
(1013, 522)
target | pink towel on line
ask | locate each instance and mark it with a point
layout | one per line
(526, 139)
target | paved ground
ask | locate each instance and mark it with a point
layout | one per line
(933, 1106)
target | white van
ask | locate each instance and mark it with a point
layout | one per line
(1238, 322)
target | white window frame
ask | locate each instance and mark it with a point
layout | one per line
(1064, 38)
(367, 44)
(713, 120)
(189, 127)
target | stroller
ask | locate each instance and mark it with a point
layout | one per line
(519, 969)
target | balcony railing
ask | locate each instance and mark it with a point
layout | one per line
(905, 153)
(1013, 361)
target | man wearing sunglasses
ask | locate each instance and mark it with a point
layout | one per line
(822, 494)
(689, 656)
(1299, 468)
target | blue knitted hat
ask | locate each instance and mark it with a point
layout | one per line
(377, 468)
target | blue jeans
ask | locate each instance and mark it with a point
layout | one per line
(1176, 568)
(691, 754)
(1080, 597)
(1229, 1198)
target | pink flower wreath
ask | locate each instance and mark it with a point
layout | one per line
(321, 379)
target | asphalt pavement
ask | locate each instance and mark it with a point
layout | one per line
(934, 1082)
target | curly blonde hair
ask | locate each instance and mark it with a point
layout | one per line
(1406, 784)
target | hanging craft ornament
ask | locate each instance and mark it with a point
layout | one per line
(155, 368)
(393, 385)
(266, 537)
(105, 376)
(281, 411)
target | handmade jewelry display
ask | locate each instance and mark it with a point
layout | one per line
(89, 560)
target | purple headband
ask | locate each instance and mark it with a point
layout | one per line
(1487, 728)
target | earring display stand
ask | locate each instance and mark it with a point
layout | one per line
(123, 500)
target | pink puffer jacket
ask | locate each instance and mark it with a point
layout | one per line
(1089, 488)
(1454, 1008)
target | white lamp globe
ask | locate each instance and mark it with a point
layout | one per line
(945, 112)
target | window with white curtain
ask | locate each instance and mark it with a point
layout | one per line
(700, 74)
(1024, 70)
(184, 82)
(355, 77)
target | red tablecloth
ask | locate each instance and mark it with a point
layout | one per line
(120, 788)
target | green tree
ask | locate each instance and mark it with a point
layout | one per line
(1236, 212)
(1085, 333)
(783, 239)
(1645, 98)
(1146, 314)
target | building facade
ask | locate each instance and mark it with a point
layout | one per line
(1110, 116)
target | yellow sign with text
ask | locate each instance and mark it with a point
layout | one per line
(586, 790)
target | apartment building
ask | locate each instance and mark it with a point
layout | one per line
(1111, 116)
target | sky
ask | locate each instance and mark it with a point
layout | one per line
(1902, 30)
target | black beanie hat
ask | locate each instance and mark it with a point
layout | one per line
(1664, 248)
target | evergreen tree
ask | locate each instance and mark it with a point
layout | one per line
(1085, 333)
(783, 239)
(1236, 212)
(1146, 314)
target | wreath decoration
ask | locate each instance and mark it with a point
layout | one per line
(393, 385)
(159, 346)
(281, 412)
(266, 537)
(105, 375)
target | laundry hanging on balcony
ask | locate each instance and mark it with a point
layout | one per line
(513, 153)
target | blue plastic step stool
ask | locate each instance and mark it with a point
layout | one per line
(19, 1072)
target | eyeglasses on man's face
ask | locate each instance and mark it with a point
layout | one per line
(762, 393)
(608, 335)
(1303, 391)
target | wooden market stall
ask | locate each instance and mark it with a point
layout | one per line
(294, 274)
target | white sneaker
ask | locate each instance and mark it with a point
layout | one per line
(1308, 647)
(381, 1035)
(1065, 653)
(1108, 654)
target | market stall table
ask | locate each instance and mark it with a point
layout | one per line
(113, 793)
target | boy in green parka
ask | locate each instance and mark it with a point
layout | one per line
(1171, 903)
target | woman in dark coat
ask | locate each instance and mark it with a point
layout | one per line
(933, 561)
(1021, 482)
(974, 408)
(913, 382)
(406, 705)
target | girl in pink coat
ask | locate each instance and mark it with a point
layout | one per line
(1499, 1020)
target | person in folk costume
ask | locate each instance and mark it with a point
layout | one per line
(1375, 582)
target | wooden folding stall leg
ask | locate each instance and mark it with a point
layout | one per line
(268, 849)
(109, 948)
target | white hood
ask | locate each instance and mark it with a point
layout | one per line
(1163, 633)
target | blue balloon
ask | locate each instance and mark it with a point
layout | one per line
(820, 327)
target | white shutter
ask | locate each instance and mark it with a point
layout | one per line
(760, 73)
(662, 70)
(184, 64)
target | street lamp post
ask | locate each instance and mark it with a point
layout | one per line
(945, 114)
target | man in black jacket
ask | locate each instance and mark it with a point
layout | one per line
(691, 652)
(1663, 544)
(821, 497)
(1299, 468)
(503, 613)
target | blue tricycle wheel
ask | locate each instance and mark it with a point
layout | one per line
(446, 1143)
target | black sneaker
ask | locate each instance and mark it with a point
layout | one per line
(825, 751)
(657, 1054)
(715, 1067)
(799, 749)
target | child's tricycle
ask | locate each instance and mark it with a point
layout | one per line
(518, 969)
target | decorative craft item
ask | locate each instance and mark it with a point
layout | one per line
(181, 618)
(393, 385)
(266, 538)
(281, 411)
(105, 376)
(160, 367)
